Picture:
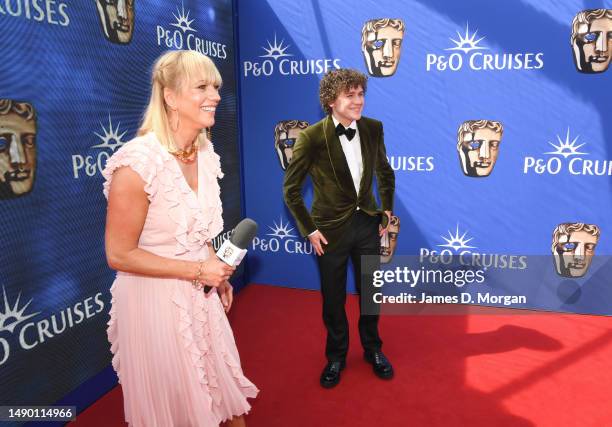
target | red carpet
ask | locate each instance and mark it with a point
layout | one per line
(505, 368)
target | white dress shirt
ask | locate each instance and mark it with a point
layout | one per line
(352, 152)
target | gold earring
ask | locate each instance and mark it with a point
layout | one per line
(209, 134)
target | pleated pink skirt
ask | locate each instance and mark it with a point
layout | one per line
(175, 354)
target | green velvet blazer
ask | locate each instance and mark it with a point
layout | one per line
(318, 153)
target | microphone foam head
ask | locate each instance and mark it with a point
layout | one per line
(244, 233)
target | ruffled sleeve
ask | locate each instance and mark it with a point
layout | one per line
(141, 158)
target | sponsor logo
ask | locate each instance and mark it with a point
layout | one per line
(184, 36)
(17, 148)
(285, 135)
(51, 12)
(281, 238)
(573, 248)
(93, 164)
(468, 52)
(278, 60)
(381, 45)
(592, 40)
(388, 241)
(458, 246)
(478, 144)
(28, 330)
(568, 157)
(117, 20)
(411, 163)
(228, 252)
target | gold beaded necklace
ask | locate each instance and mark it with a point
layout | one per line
(187, 156)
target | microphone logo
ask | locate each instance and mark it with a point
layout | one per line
(229, 251)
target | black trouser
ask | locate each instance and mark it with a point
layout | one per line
(360, 239)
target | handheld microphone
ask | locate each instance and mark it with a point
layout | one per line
(233, 250)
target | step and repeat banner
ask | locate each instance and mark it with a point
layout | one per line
(496, 121)
(74, 82)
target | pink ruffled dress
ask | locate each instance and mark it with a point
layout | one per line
(173, 348)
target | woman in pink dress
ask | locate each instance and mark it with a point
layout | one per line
(173, 348)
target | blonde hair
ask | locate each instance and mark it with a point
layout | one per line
(173, 70)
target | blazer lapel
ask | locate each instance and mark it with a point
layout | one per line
(338, 159)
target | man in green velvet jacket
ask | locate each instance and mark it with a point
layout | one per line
(341, 153)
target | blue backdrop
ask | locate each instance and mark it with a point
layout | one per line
(76, 80)
(85, 74)
(510, 62)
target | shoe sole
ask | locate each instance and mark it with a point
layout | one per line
(384, 376)
(329, 385)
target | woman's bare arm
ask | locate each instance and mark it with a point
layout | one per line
(127, 210)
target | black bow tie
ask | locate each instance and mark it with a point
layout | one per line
(349, 132)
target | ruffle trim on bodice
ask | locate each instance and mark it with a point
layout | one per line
(163, 176)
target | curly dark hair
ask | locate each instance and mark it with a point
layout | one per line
(337, 81)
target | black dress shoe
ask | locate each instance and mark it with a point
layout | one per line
(331, 374)
(382, 367)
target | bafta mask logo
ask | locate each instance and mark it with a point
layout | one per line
(17, 148)
(285, 135)
(592, 40)
(117, 19)
(478, 146)
(381, 44)
(573, 247)
(388, 242)
(228, 252)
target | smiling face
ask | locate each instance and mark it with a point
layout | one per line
(196, 102)
(348, 105)
(117, 19)
(592, 40)
(17, 152)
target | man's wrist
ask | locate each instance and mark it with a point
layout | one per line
(311, 234)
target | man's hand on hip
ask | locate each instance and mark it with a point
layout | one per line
(317, 239)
